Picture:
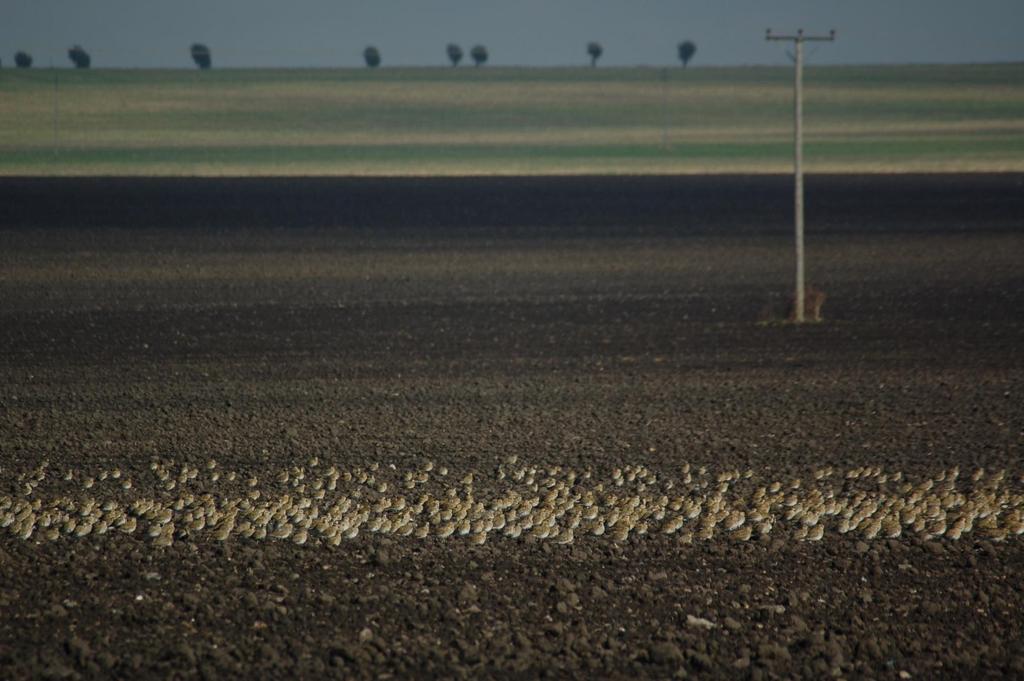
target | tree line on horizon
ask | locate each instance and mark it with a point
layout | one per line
(202, 56)
(372, 56)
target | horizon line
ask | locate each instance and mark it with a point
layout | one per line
(496, 67)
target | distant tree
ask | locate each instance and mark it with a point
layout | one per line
(595, 51)
(686, 51)
(479, 55)
(23, 60)
(201, 56)
(371, 55)
(454, 54)
(79, 57)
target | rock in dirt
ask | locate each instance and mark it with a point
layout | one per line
(59, 671)
(187, 653)
(79, 650)
(799, 624)
(381, 556)
(772, 651)
(698, 660)
(699, 623)
(468, 594)
(666, 652)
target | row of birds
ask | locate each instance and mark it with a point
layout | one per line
(327, 504)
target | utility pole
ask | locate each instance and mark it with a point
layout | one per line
(56, 111)
(798, 41)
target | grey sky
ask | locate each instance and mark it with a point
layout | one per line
(149, 33)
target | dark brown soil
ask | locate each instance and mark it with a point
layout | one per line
(509, 206)
(591, 324)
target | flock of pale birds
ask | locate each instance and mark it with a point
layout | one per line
(326, 504)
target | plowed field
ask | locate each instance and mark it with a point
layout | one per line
(510, 428)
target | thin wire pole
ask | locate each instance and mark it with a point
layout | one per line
(798, 41)
(56, 112)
